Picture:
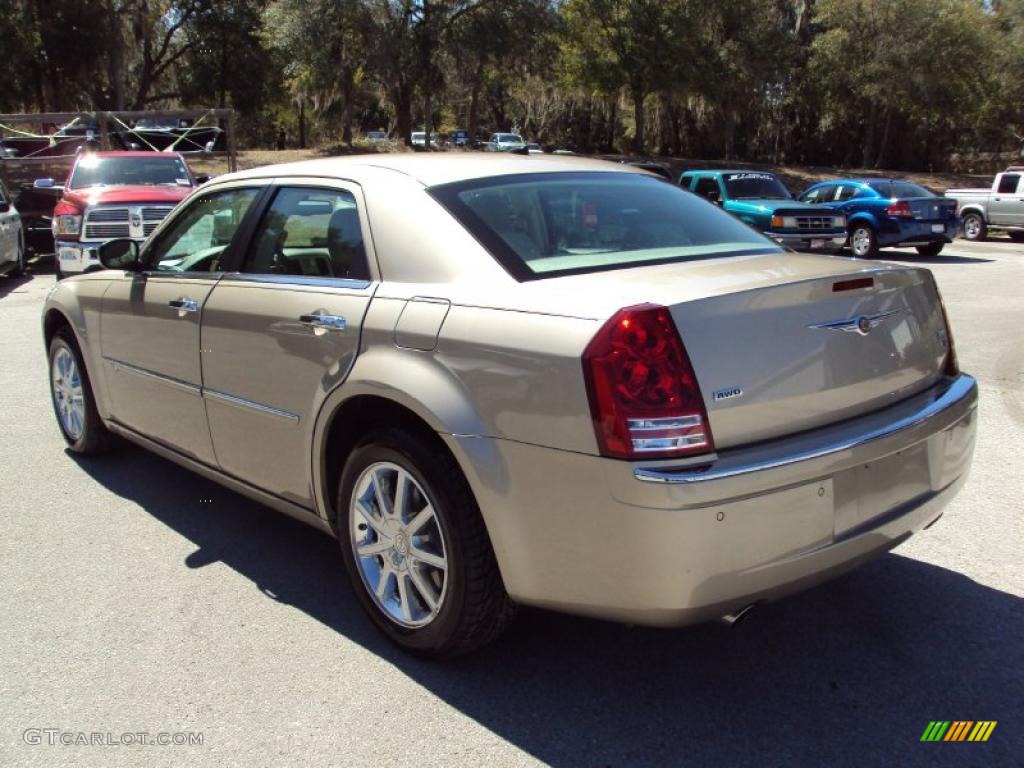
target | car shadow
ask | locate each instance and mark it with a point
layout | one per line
(942, 258)
(847, 674)
(10, 283)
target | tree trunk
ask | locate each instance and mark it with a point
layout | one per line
(347, 94)
(885, 138)
(473, 120)
(302, 124)
(401, 99)
(638, 118)
(428, 107)
(869, 137)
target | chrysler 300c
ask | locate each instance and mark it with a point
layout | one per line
(503, 380)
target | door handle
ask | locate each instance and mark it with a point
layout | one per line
(184, 305)
(330, 322)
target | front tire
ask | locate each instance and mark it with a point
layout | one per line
(975, 228)
(932, 249)
(863, 241)
(72, 397)
(416, 549)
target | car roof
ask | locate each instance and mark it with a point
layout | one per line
(723, 171)
(431, 170)
(130, 153)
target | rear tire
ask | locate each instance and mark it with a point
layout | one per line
(21, 264)
(932, 249)
(434, 588)
(72, 398)
(863, 241)
(975, 228)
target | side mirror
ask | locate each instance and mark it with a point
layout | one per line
(122, 253)
(47, 185)
(203, 179)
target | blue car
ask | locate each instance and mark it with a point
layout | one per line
(883, 213)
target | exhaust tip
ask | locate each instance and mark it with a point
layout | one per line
(732, 619)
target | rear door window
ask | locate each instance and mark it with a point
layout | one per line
(312, 232)
(1008, 183)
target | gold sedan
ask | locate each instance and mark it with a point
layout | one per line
(506, 379)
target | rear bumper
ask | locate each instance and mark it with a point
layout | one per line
(918, 233)
(665, 545)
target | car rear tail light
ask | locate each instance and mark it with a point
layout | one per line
(900, 210)
(951, 366)
(643, 393)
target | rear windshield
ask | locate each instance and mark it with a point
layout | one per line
(92, 171)
(548, 224)
(900, 190)
(754, 185)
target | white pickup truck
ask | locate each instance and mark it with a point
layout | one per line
(1001, 207)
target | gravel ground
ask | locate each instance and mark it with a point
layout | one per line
(131, 605)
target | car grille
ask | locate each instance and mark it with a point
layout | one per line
(108, 222)
(814, 222)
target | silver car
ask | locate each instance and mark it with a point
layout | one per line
(13, 258)
(508, 380)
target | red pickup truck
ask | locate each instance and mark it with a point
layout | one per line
(109, 195)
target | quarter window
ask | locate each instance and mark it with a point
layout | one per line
(196, 239)
(310, 232)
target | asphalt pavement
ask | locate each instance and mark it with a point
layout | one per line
(139, 598)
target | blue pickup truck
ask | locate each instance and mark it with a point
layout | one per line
(763, 202)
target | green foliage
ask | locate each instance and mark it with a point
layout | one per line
(899, 83)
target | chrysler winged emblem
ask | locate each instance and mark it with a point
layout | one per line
(861, 324)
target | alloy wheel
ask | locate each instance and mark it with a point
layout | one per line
(860, 241)
(398, 544)
(67, 393)
(972, 227)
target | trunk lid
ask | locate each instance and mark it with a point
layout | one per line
(781, 359)
(931, 209)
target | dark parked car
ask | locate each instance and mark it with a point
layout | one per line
(889, 212)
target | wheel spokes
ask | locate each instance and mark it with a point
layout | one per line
(424, 516)
(428, 558)
(372, 548)
(424, 589)
(403, 560)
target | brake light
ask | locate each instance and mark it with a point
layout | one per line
(643, 393)
(900, 210)
(951, 367)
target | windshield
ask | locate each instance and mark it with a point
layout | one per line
(509, 138)
(750, 185)
(106, 171)
(546, 224)
(901, 190)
